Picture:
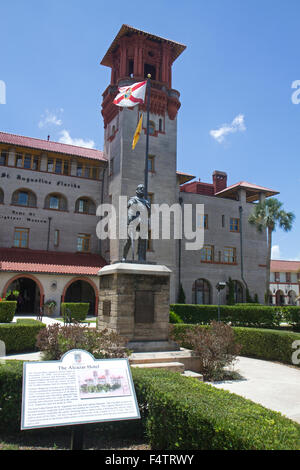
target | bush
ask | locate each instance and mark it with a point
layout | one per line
(180, 413)
(256, 316)
(20, 336)
(292, 316)
(174, 318)
(270, 345)
(7, 310)
(215, 346)
(77, 311)
(183, 413)
(11, 377)
(56, 340)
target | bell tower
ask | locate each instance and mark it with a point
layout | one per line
(133, 55)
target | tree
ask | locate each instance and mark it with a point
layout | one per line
(181, 295)
(267, 215)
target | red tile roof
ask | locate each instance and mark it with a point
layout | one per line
(47, 262)
(278, 266)
(184, 177)
(252, 191)
(50, 146)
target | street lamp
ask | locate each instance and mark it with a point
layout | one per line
(220, 286)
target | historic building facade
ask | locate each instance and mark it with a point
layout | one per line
(49, 193)
(285, 282)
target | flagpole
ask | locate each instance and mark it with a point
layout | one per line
(148, 91)
(147, 135)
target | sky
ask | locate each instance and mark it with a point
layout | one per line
(239, 112)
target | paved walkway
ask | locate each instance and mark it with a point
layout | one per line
(272, 385)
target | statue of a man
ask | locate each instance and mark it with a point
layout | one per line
(137, 221)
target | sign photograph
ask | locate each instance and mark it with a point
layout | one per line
(77, 389)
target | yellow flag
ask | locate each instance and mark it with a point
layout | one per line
(137, 133)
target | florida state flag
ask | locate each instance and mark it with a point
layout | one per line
(131, 95)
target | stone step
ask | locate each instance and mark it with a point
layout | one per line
(174, 366)
(194, 375)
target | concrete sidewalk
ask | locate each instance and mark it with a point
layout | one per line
(275, 386)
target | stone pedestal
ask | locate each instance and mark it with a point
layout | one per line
(134, 301)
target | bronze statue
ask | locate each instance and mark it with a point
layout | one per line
(137, 207)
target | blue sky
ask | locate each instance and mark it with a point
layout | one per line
(241, 59)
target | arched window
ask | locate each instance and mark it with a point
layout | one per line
(1, 196)
(292, 298)
(151, 127)
(85, 205)
(238, 292)
(56, 201)
(280, 298)
(201, 292)
(24, 197)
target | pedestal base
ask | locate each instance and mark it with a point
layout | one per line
(135, 303)
(152, 346)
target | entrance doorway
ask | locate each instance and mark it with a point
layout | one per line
(81, 291)
(28, 298)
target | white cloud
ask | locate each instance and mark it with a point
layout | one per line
(65, 138)
(237, 125)
(275, 254)
(51, 119)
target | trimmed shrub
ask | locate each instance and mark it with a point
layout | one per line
(20, 336)
(174, 318)
(11, 377)
(270, 345)
(256, 316)
(183, 413)
(77, 311)
(180, 413)
(7, 310)
(292, 316)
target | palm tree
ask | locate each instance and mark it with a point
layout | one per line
(267, 215)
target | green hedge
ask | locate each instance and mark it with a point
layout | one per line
(270, 345)
(256, 316)
(20, 336)
(78, 311)
(180, 413)
(184, 413)
(7, 310)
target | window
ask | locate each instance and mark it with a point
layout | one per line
(111, 167)
(148, 68)
(83, 242)
(85, 206)
(1, 196)
(24, 197)
(151, 128)
(3, 157)
(234, 225)
(229, 255)
(160, 125)
(207, 253)
(277, 277)
(21, 237)
(288, 277)
(59, 166)
(223, 221)
(27, 161)
(151, 166)
(201, 292)
(56, 202)
(87, 170)
(56, 238)
(202, 221)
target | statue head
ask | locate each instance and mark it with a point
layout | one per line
(140, 190)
